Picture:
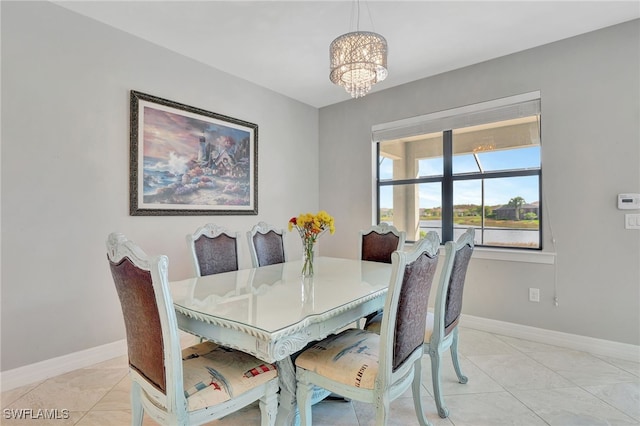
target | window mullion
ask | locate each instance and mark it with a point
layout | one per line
(447, 186)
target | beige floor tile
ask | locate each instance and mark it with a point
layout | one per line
(118, 362)
(78, 390)
(118, 398)
(111, 418)
(632, 367)
(12, 395)
(624, 396)
(528, 346)
(572, 407)
(249, 415)
(333, 413)
(519, 372)
(402, 413)
(474, 342)
(490, 409)
(582, 368)
(477, 382)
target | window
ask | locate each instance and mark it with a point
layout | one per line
(473, 166)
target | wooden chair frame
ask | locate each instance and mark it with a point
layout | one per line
(442, 339)
(171, 408)
(389, 384)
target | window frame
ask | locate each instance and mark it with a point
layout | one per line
(418, 125)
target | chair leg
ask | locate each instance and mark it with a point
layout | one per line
(454, 357)
(382, 409)
(304, 392)
(269, 405)
(137, 412)
(416, 388)
(434, 354)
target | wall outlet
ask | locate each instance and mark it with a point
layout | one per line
(534, 295)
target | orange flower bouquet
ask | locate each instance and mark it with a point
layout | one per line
(310, 227)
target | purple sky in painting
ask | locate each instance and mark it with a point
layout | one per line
(166, 132)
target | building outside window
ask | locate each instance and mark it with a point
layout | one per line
(476, 166)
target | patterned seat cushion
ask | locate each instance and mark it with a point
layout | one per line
(375, 323)
(350, 357)
(213, 374)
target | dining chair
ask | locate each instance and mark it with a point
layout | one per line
(213, 250)
(379, 241)
(442, 325)
(377, 368)
(196, 385)
(266, 245)
(441, 331)
(376, 244)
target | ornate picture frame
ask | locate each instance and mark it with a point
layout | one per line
(188, 161)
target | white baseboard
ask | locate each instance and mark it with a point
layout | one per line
(42, 370)
(557, 338)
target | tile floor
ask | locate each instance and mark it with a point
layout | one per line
(511, 382)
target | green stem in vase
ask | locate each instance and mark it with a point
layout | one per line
(307, 267)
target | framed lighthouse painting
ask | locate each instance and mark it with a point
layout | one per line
(188, 161)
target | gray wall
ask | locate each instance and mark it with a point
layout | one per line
(591, 151)
(65, 165)
(65, 171)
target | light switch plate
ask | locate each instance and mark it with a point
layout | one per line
(632, 221)
(534, 294)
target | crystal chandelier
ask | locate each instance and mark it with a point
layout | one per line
(358, 61)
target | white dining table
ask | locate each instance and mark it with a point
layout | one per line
(273, 312)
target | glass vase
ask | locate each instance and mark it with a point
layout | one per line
(307, 258)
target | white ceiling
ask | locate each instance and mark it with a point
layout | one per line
(284, 45)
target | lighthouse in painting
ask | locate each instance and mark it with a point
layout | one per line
(204, 150)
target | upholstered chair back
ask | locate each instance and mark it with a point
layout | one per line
(213, 250)
(266, 245)
(453, 306)
(138, 300)
(217, 254)
(378, 242)
(412, 306)
(269, 248)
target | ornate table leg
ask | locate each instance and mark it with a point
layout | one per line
(287, 411)
(288, 414)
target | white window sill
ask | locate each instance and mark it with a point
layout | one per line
(508, 255)
(529, 256)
